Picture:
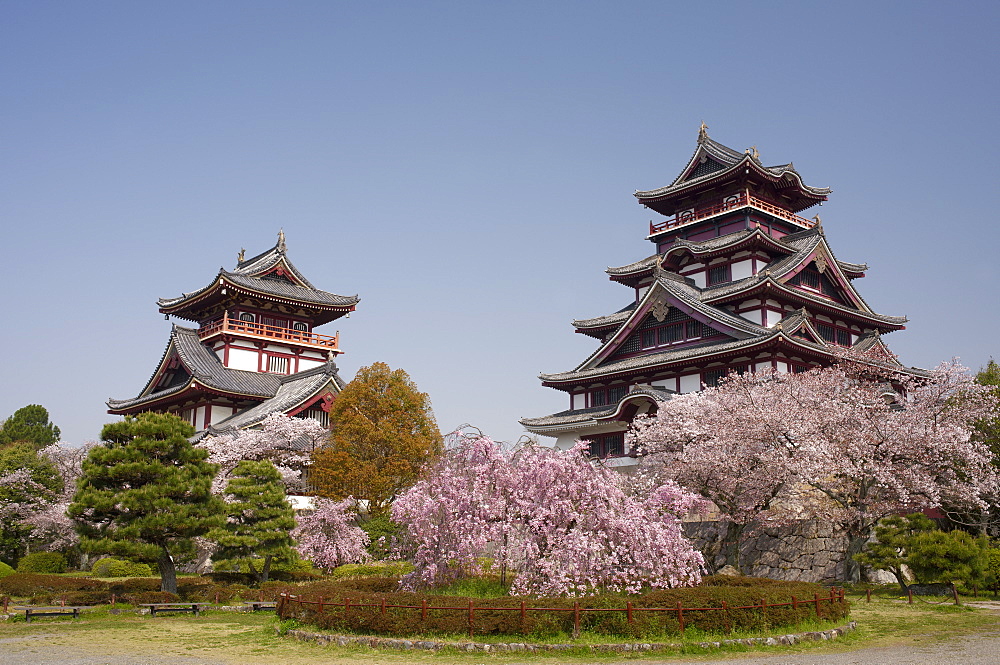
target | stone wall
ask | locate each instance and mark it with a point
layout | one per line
(807, 551)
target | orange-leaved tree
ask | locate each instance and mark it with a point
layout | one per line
(382, 433)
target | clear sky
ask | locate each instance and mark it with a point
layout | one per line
(467, 168)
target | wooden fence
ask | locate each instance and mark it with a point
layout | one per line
(836, 596)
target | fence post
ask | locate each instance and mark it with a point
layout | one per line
(471, 618)
(347, 606)
(680, 616)
(5, 603)
(576, 620)
(909, 594)
(816, 597)
(321, 605)
(954, 593)
(216, 597)
(628, 611)
(383, 604)
(423, 609)
(524, 613)
(763, 604)
(725, 617)
(868, 593)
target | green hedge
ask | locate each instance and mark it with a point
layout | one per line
(42, 562)
(712, 593)
(110, 566)
(5, 570)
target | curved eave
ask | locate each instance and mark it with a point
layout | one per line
(738, 171)
(180, 393)
(754, 238)
(178, 306)
(557, 423)
(698, 356)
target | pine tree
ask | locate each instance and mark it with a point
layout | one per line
(382, 433)
(145, 493)
(29, 423)
(259, 519)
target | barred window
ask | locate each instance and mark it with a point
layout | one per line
(247, 316)
(648, 338)
(277, 365)
(711, 377)
(607, 445)
(718, 275)
(826, 332)
(615, 394)
(843, 337)
(671, 334)
(598, 397)
(301, 327)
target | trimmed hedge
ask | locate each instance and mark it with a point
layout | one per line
(712, 593)
(5, 570)
(30, 584)
(110, 566)
(42, 562)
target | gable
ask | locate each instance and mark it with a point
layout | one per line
(705, 166)
(172, 373)
(655, 334)
(814, 280)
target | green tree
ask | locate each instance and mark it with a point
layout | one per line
(893, 539)
(31, 424)
(146, 492)
(947, 556)
(27, 482)
(988, 429)
(259, 519)
(382, 433)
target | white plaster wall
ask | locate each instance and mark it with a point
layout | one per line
(763, 367)
(782, 366)
(642, 291)
(699, 279)
(199, 417)
(752, 315)
(578, 401)
(305, 364)
(277, 349)
(772, 318)
(669, 384)
(220, 413)
(240, 359)
(691, 383)
(741, 270)
(313, 354)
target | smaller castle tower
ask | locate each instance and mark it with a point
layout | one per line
(254, 351)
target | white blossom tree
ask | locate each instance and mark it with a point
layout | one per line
(330, 536)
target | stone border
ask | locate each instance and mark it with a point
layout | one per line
(406, 645)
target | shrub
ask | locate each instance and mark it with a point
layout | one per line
(23, 585)
(365, 615)
(5, 570)
(373, 569)
(113, 567)
(42, 562)
(150, 597)
(135, 585)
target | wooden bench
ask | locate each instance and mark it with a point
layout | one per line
(257, 605)
(54, 611)
(173, 607)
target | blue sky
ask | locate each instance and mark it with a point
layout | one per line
(468, 169)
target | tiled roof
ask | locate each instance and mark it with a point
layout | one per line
(293, 391)
(205, 367)
(638, 266)
(730, 159)
(580, 416)
(609, 319)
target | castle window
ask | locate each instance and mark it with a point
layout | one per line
(301, 327)
(615, 394)
(843, 337)
(719, 275)
(712, 377)
(671, 334)
(598, 397)
(608, 445)
(247, 316)
(277, 365)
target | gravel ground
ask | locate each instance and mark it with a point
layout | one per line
(35, 650)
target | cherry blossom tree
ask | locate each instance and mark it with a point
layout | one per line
(49, 522)
(285, 441)
(864, 440)
(330, 536)
(564, 525)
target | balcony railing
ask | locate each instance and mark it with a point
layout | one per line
(740, 201)
(276, 333)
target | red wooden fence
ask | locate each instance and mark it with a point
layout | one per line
(836, 596)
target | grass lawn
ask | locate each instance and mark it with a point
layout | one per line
(233, 638)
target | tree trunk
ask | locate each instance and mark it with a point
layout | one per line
(898, 572)
(265, 570)
(855, 545)
(731, 544)
(168, 573)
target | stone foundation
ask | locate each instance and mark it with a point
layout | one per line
(807, 551)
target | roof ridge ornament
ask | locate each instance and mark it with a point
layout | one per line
(819, 225)
(752, 151)
(703, 132)
(281, 240)
(241, 255)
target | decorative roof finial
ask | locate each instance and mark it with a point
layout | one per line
(239, 257)
(702, 132)
(819, 224)
(281, 240)
(756, 155)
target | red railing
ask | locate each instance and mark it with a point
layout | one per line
(837, 595)
(227, 324)
(739, 201)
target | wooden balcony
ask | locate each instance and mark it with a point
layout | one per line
(270, 333)
(743, 200)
